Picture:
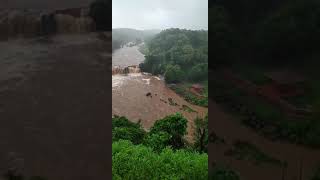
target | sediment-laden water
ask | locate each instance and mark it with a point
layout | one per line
(129, 93)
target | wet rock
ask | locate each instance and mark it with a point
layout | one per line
(171, 102)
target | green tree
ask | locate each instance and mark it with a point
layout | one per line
(158, 141)
(122, 128)
(174, 125)
(201, 134)
(173, 74)
(140, 162)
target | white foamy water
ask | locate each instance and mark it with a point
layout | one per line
(120, 79)
(147, 81)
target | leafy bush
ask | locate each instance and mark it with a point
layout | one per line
(135, 135)
(198, 72)
(223, 173)
(140, 162)
(122, 128)
(201, 134)
(158, 141)
(173, 74)
(175, 125)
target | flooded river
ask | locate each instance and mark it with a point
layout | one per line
(129, 94)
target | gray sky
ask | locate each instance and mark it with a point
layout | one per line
(160, 14)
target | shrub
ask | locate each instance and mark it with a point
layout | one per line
(201, 134)
(158, 141)
(173, 74)
(175, 125)
(198, 72)
(222, 173)
(140, 162)
(122, 128)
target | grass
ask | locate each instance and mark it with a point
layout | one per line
(187, 109)
(182, 89)
(245, 151)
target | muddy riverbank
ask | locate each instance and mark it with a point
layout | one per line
(130, 99)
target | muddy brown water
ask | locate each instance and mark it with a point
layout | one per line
(299, 158)
(129, 94)
(55, 106)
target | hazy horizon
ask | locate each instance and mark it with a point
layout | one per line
(160, 14)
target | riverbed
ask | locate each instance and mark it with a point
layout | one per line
(129, 94)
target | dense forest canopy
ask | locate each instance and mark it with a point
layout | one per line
(178, 54)
(274, 32)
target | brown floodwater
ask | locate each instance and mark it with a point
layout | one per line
(127, 56)
(129, 94)
(302, 161)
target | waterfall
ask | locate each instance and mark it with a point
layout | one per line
(125, 70)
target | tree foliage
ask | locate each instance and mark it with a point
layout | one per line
(140, 162)
(174, 125)
(201, 134)
(122, 128)
(174, 52)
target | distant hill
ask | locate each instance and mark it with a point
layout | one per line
(128, 35)
(122, 36)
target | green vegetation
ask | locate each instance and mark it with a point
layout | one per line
(179, 55)
(175, 126)
(201, 134)
(223, 173)
(161, 153)
(265, 118)
(246, 151)
(187, 109)
(183, 89)
(140, 162)
(166, 132)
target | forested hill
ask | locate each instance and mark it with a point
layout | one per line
(179, 54)
(122, 36)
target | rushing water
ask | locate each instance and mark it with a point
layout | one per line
(129, 93)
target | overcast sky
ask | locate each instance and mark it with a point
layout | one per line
(160, 14)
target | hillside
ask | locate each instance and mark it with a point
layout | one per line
(121, 36)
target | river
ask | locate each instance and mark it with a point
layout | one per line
(129, 94)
